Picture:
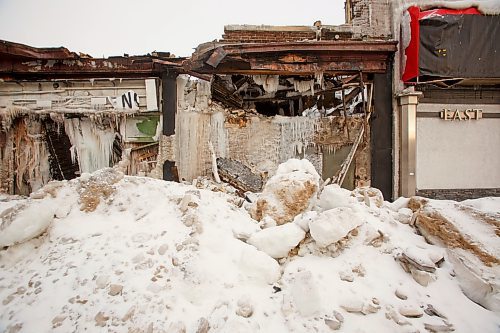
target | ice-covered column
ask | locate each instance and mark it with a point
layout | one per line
(408, 101)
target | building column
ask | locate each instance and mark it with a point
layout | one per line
(408, 102)
(381, 133)
(169, 110)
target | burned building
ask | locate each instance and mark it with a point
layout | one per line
(264, 94)
(64, 114)
(354, 99)
(255, 98)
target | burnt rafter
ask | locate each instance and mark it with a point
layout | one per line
(288, 58)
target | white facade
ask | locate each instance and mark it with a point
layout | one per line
(457, 154)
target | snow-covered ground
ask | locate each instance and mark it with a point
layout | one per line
(132, 254)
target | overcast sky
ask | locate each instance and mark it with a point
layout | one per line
(113, 27)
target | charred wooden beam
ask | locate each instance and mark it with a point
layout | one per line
(169, 111)
(222, 94)
(288, 58)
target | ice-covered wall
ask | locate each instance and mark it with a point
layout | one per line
(92, 145)
(92, 113)
(24, 157)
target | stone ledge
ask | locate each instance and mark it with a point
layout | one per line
(459, 194)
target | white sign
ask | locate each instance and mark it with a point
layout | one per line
(127, 101)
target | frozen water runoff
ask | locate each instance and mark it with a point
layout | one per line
(112, 253)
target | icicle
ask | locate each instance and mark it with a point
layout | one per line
(304, 86)
(219, 133)
(270, 83)
(319, 78)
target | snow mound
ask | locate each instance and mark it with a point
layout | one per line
(142, 255)
(487, 7)
(291, 191)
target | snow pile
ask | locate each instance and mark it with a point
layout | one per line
(132, 254)
(291, 191)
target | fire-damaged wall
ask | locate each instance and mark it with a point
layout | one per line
(61, 129)
(258, 141)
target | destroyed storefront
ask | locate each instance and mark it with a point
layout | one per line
(236, 109)
(451, 122)
(254, 105)
(65, 114)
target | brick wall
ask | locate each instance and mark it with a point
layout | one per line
(248, 36)
(269, 34)
(459, 194)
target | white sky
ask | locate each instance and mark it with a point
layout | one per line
(113, 27)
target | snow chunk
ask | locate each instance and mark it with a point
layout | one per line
(288, 193)
(24, 222)
(399, 203)
(370, 195)
(334, 196)
(304, 219)
(278, 241)
(333, 225)
(259, 266)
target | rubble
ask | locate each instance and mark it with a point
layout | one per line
(239, 175)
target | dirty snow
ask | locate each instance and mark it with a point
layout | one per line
(143, 255)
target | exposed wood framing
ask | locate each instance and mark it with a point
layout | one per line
(339, 179)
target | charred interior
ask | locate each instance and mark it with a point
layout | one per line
(256, 121)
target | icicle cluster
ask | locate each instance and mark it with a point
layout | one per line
(270, 83)
(304, 86)
(92, 147)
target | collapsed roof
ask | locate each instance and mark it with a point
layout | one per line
(18, 61)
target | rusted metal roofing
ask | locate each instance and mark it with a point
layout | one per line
(289, 58)
(18, 61)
